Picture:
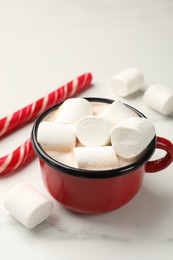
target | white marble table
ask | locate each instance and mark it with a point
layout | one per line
(44, 44)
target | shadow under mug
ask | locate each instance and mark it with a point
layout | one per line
(90, 191)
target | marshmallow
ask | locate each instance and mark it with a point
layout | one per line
(117, 112)
(54, 135)
(95, 158)
(160, 98)
(93, 131)
(28, 205)
(130, 137)
(127, 82)
(73, 109)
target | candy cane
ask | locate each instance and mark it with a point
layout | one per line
(17, 158)
(31, 111)
(25, 152)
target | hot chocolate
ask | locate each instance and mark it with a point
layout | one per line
(68, 157)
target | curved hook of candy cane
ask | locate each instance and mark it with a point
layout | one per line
(16, 159)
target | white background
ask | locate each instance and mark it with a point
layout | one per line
(44, 44)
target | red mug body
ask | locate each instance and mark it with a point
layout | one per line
(91, 195)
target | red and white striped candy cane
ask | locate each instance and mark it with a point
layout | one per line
(31, 111)
(25, 152)
(17, 158)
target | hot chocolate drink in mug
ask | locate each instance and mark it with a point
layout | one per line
(99, 190)
(68, 157)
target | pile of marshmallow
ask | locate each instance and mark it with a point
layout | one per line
(115, 132)
(157, 96)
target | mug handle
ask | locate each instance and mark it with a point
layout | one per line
(162, 163)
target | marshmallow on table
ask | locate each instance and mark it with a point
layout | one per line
(117, 112)
(130, 137)
(54, 135)
(93, 131)
(160, 98)
(73, 109)
(28, 205)
(127, 82)
(96, 158)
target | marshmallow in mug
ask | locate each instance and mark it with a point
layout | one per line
(93, 131)
(56, 135)
(102, 157)
(28, 205)
(131, 137)
(73, 109)
(159, 98)
(117, 112)
(127, 82)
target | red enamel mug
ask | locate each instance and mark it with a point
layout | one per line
(90, 191)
